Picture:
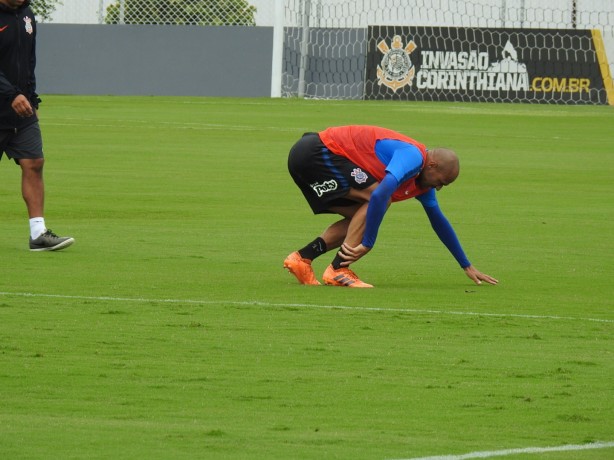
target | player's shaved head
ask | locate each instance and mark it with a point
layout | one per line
(441, 168)
(447, 161)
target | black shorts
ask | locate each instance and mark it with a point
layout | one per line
(26, 143)
(323, 177)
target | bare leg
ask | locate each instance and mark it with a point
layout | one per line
(334, 235)
(350, 229)
(32, 186)
(357, 225)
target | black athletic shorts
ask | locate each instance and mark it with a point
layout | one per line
(323, 177)
(27, 142)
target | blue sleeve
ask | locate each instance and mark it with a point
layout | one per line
(443, 228)
(402, 160)
(378, 204)
(428, 199)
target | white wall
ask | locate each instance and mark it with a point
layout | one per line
(214, 61)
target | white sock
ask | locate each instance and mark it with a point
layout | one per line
(37, 227)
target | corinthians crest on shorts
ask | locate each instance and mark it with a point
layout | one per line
(396, 69)
(359, 176)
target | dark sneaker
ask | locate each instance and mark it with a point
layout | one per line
(49, 241)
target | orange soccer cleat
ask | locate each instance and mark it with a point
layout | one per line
(343, 277)
(301, 269)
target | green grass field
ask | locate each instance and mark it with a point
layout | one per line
(171, 331)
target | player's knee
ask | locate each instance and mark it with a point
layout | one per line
(34, 166)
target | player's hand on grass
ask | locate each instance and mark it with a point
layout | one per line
(352, 254)
(477, 276)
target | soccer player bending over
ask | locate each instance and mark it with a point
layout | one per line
(357, 172)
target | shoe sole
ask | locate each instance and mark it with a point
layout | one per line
(343, 281)
(351, 286)
(57, 247)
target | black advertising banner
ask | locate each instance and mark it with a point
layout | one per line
(494, 65)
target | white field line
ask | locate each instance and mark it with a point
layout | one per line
(525, 450)
(257, 303)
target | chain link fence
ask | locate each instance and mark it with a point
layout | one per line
(180, 12)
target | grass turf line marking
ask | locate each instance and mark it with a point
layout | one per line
(299, 305)
(525, 450)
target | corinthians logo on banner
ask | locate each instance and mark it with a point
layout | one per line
(451, 70)
(396, 69)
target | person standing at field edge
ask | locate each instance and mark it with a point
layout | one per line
(20, 135)
(357, 172)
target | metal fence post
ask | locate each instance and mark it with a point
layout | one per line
(304, 48)
(278, 49)
(122, 11)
